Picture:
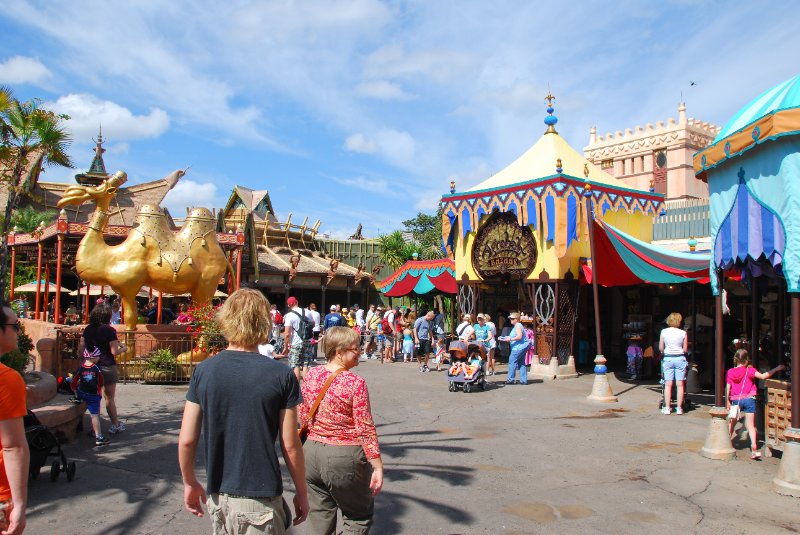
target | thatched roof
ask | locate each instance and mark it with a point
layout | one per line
(279, 259)
(45, 196)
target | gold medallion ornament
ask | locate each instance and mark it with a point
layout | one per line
(503, 248)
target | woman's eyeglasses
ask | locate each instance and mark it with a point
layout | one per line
(14, 326)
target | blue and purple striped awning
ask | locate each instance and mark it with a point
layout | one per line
(749, 230)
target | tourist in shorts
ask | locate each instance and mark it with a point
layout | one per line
(87, 383)
(673, 345)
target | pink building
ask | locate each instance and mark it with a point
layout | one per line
(657, 156)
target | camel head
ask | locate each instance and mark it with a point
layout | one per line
(101, 195)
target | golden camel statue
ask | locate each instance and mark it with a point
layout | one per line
(189, 261)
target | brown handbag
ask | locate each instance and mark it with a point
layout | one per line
(303, 431)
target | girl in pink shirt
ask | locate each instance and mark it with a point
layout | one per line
(740, 389)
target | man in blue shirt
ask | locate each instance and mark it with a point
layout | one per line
(333, 319)
(423, 336)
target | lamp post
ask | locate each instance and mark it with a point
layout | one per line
(601, 390)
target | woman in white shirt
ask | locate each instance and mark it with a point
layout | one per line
(673, 346)
(465, 331)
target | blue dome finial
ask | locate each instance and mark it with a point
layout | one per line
(551, 119)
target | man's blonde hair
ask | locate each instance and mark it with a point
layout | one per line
(337, 338)
(244, 319)
(674, 319)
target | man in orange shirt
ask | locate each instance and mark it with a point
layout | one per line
(14, 454)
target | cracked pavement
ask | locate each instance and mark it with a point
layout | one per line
(513, 459)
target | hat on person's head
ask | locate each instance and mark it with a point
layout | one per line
(291, 302)
(333, 307)
(514, 315)
(355, 307)
(481, 317)
(379, 308)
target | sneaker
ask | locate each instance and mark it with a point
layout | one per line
(665, 410)
(363, 358)
(101, 441)
(421, 369)
(114, 429)
(74, 399)
(679, 410)
(755, 455)
(426, 369)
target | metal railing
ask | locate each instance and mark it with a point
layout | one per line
(683, 219)
(158, 357)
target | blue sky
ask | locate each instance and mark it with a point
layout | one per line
(363, 111)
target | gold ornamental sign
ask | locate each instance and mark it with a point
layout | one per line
(503, 248)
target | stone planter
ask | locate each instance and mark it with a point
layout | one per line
(41, 387)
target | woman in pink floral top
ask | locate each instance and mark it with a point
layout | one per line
(344, 470)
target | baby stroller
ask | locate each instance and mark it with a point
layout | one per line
(41, 442)
(687, 403)
(467, 367)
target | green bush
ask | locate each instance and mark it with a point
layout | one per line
(162, 360)
(24, 342)
(16, 360)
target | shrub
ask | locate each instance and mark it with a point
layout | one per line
(162, 360)
(24, 342)
(16, 360)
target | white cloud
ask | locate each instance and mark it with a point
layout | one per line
(23, 70)
(397, 147)
(189, 194)
(382, 90)
(373, 185)
(88, 112)
(440, 65)
(358, 143)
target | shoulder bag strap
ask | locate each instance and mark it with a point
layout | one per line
(321, 394)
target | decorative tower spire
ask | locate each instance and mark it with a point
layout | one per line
(551, 119)
(97, 170)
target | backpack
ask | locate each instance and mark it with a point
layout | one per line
(306, 330)
(385, 326)
(89, 380)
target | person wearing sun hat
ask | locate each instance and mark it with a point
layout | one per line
(519, 345)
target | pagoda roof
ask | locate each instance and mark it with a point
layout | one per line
(540, 161)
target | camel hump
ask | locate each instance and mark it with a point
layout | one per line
(150, 210)
(200, 214)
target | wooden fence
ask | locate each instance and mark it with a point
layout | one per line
(683, 219)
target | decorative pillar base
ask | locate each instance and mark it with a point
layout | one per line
(601, 390)
(693, 380)
(718, 444)
(553, 370)
(787, 481)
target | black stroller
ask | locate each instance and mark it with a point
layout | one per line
(41, 442)
(468, 375)
(687, 403)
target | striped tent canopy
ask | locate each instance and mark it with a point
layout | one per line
(421, 277)
(753, 174)
(622, 260)
(544, 188)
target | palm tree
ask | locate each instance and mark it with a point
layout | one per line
(394, 249)
(28, 218)
(31, 137)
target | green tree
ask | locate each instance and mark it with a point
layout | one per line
(395, 250)
(427, 233)
(30, 137)
(28, 218)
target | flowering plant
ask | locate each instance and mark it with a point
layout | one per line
(205, 330)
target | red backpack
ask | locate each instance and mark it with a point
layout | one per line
(385, 326)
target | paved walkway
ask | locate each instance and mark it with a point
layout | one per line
(513, 459)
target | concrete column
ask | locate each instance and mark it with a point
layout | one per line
(718, 443)
(787, 481)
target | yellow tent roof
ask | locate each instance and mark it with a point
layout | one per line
(539, 161)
